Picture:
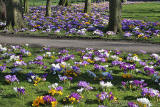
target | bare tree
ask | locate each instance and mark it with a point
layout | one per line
(87, 8)
(115, 8)
(2, 10)
(14, 14)
(64, 2)
(48, 8)
(26, 6)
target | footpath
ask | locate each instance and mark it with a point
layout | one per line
(128, 46)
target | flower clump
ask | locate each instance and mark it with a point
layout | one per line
(103, 96)
(85, 85)
(150, 93)
(135, 84)
(31, 77)
(11, 78)
(2, 67)
(55, 89)
(19, 91)
(47, 99)
(73, 98)
(144, 102)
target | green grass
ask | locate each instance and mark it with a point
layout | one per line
(149, 11)
(8, 97)
(41, 2)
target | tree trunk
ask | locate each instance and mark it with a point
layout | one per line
(48, 8)
(2, 10)
(61, 2)
(21, 3)
(87, 8)
(26, 6)
(115, 16)
(22, 7)
(14, 15)
(68, 2)
(64, 3)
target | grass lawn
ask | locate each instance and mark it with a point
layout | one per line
(40, 2)
(86, 61)
(149, 11)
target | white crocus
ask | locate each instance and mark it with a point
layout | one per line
(102, 84)
(137, 70)
(135, 58)
(156, 56)
(48, 53)
(3, 49)
(13, 57)
(85, 57)
(33, 76)
(149, 66)
(56, 66)
(106, 66)
(107, 84)
(130, 82)
(107, 54)
(80, 90)
(29, 80)
(53, 86)
(144, 101)
(142, 80)
(102, 50)
(15, 89)
(115, 57)
(97, 59)
(27, 45)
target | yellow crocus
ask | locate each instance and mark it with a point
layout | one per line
(54, 103)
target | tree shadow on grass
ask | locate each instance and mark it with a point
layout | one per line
(130, 98)
(29, 104)
(73, 88)
(117, 79)
(9, 96)
(22, 76)
(91, 101)
(42, 92)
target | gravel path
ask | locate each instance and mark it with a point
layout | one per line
(97, 44)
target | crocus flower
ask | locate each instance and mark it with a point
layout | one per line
(20, 90)
(11, 78)
(144, 102)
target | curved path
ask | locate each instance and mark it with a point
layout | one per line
(97, 44)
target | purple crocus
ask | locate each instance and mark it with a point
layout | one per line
(123, 83)
(77, 96)
(48, 98)
(40, 58)
(59, 88)
(128, 34)
(85, 85)
(2, 67)
(11, 78)
(132, 104)
(20, 90)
